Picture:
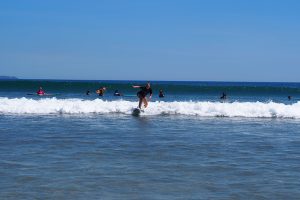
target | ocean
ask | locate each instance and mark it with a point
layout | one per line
(188, 145)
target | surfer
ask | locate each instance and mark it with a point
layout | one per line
(117, 93)
(87, 92)
(40, 91)
(101, 91)
(224, 96)
(289, 98)
(161, 94)
(145, 90)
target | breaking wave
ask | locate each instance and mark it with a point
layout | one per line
(199, 108)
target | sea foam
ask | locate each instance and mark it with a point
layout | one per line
(99, 106)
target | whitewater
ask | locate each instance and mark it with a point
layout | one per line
(191, 108)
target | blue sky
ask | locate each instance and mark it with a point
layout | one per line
(205, 40)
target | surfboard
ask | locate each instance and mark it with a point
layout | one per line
(136, 112)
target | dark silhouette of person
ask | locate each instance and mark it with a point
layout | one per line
(161, 94)
(117, 93)
(224, 96)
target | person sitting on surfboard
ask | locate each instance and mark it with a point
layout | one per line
(101, 91)
(40, 91)
(145, 90)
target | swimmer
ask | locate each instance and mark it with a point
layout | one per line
(224, 96)
(101, 91)
(40, 92)
(161, 94)
(117, 93)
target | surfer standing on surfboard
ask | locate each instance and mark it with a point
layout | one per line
(145, 90)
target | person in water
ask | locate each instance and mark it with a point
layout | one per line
(117, 93)
(144, 91)
(40, 91)
(101, 91)
(161, 94)
(224, 96)
(87, 92)
(289, 98)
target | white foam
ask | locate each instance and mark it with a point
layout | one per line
(98, 106)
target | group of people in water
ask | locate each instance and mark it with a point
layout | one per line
(142, 94)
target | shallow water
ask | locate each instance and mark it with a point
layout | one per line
(189, 145)
(118, 156)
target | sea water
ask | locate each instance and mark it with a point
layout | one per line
(188, 145)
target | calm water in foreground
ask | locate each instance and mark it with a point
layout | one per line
(121, 157)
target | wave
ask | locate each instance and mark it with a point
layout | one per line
(98, 106)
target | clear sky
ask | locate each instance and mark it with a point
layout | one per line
(200, 40)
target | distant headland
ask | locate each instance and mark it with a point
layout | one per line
(8, 77)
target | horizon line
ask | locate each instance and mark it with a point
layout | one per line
(60, 79)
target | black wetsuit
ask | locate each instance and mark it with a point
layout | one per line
(161, 95)
(144, 91)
